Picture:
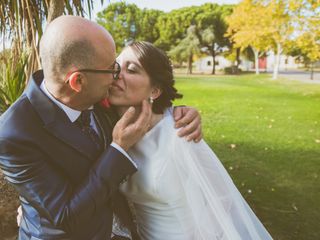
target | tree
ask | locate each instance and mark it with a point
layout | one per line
(212, 25)
(209, 29)
(247, 28)
(262, 24)
(209, 39)
(22, 22)
(187, 48)
(122, 21)
(173, 25)
(127, 23)
(148, 25)
(308, 41)
(279, 27)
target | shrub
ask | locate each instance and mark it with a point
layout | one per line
(12, 80)
(232, 70)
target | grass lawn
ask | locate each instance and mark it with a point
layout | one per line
(267, 134)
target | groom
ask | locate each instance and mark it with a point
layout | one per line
(55, 140)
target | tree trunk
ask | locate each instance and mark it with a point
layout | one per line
(238, 57)
(311, 75)
(33, 59)
(213, 54)
(277, 63)
(190, 64)
(29, 32)
(256, 60)
(55, 10)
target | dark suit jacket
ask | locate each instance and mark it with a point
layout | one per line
(65, 186)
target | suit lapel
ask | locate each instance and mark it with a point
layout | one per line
(106, 119)
(72, 135)
(56, 121)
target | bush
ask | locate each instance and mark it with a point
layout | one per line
(232, 70)
(12, 80)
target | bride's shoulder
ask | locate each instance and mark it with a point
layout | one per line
(168, 129)
(171, 132)
(168, 119)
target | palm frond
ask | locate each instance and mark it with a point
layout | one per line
(22, 21)
(12, 81)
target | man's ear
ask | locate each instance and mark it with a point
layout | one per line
(76, 81)
(155, 93)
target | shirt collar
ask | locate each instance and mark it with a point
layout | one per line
(70, 112)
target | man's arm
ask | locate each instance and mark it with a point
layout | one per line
(189, 120)
(66, 205)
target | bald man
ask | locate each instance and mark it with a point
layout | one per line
(56, 145)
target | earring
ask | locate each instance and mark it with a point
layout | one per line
(150, 100)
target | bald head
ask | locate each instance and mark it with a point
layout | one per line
(72, 42)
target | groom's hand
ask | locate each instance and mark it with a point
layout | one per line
(189, 120)
(128, 132)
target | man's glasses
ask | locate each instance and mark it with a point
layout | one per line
(115, 71)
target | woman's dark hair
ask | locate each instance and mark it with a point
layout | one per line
(159, 69)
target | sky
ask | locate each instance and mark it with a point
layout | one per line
(164, 5)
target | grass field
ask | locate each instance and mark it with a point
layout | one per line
(267, 134)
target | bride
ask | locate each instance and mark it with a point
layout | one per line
(181, 190)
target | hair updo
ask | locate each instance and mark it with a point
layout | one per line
(159, 69)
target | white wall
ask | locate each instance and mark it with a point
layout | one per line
(286, 63)
(205, 64)
(202, 64)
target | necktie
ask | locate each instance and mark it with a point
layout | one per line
(84, 122)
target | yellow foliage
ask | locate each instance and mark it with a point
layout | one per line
(260, 24)
(246, 25)
(310, 45)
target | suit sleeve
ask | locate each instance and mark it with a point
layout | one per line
(52, 194)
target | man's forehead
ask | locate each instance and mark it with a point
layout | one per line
(108, 57)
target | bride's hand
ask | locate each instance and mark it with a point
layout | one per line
(189, 120)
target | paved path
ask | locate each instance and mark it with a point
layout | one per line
(301, 76)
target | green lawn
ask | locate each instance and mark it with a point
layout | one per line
(267, 134)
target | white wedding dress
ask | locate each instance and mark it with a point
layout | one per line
(181, 191)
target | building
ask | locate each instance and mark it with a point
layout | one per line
(265, 63)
